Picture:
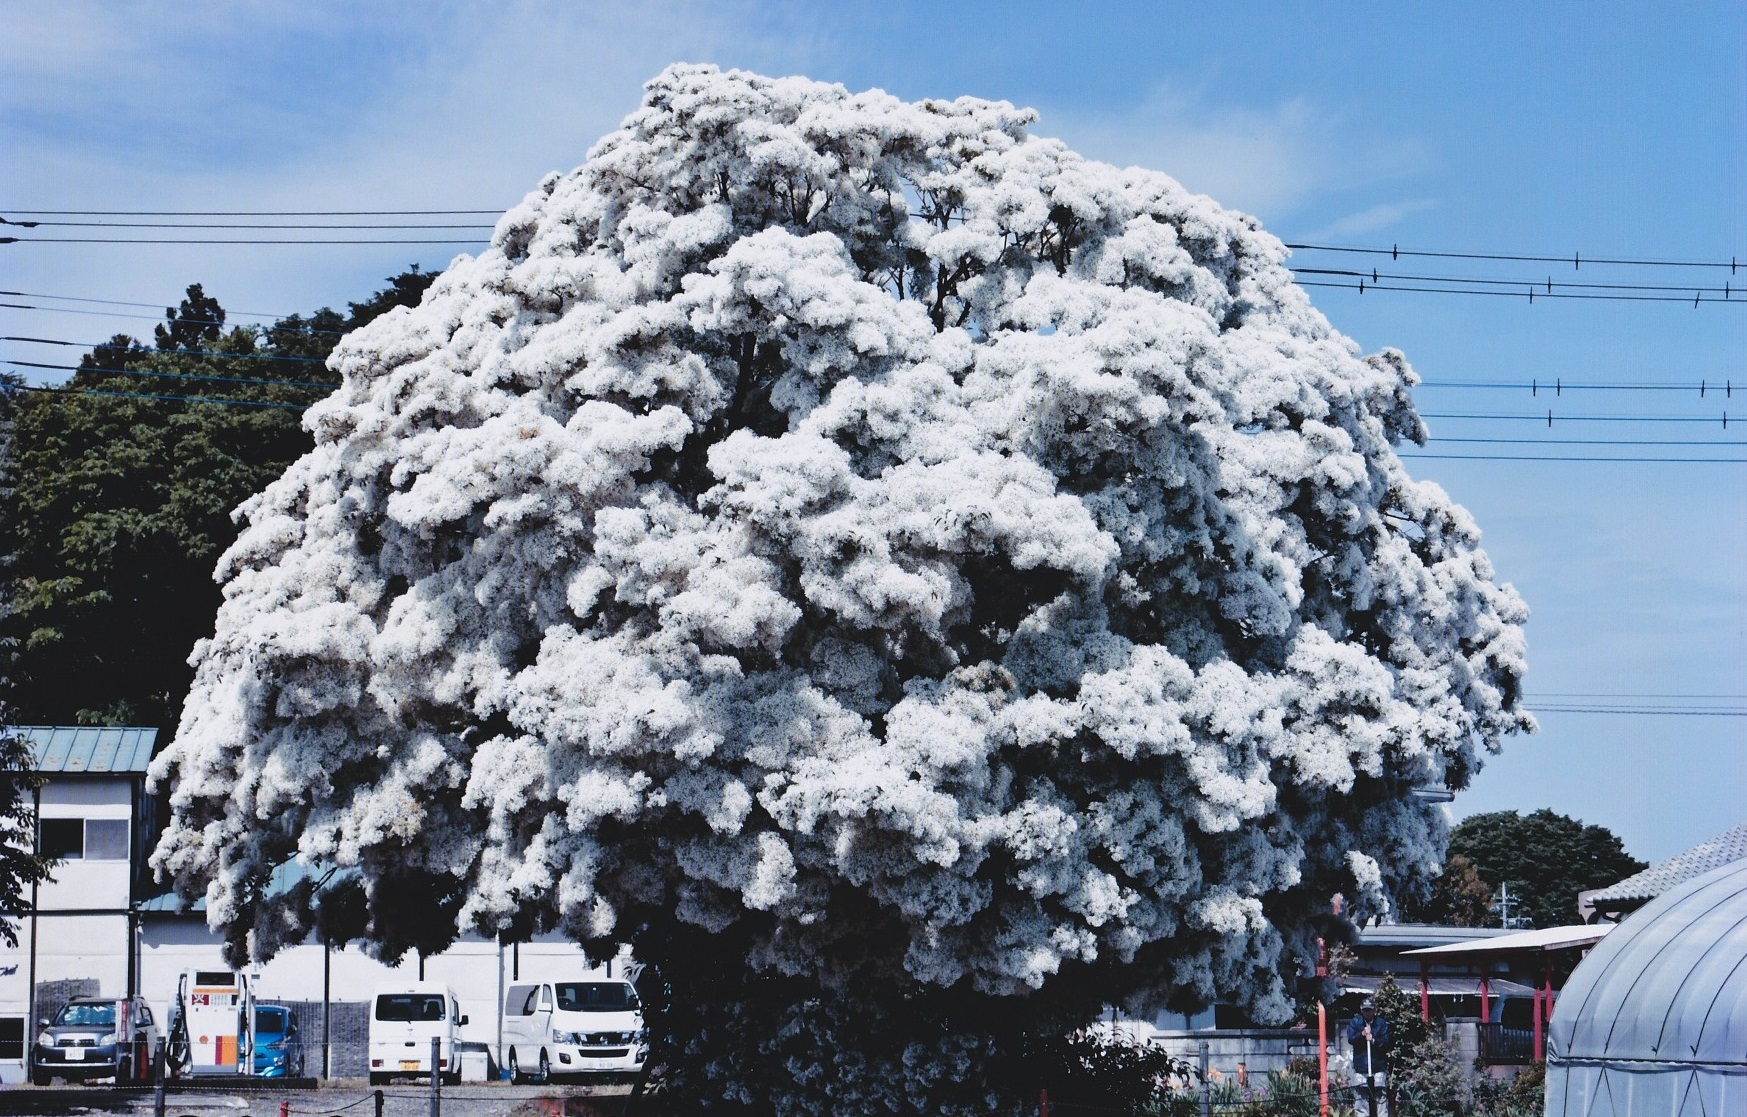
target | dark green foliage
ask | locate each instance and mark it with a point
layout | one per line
(1458, 898)
(342, 911)
(1429, 1079)
(1401, 1009)
(404, 289)
(197, 323)
(124, 503)
(1522, 1096)
(20, 866)
(739, 1042)
(1546, 858)
(1092, 1072)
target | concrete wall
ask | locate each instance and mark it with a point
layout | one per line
(1260, 1051)
(170, 945)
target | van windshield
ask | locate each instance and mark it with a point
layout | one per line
(409, 1006)
(596, 996)
(86, 1015)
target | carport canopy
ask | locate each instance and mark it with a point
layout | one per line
(1542, 941)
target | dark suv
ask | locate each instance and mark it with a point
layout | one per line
(95, 1037)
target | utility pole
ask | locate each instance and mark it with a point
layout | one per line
(1505, 900)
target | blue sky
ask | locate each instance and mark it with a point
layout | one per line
(1605, 129)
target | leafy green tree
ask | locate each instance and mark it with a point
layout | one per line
(1546, 858)
(198, 322)
(20, 865)
(126, 481)
(1459, 898)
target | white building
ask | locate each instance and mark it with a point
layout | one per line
(102, 923)
(94, 815)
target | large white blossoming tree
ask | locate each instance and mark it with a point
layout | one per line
(912, 582)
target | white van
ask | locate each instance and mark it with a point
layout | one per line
(403, 1020)
(573, 1027)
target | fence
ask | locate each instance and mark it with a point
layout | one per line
(1503, 1047)
(348, 1048)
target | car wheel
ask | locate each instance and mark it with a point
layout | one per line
(545, 1069)
(39, 1078)
(378, 1079)
(515, 1067)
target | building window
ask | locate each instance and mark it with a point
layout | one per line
(106, 839)
(63, 839)
(85, 839)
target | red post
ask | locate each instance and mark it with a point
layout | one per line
(1425, 994)
(1322, 1058)
(1322, 1029)
(284, 1108)
(1546, 979)
(1538, 1055)
(1043, 1103)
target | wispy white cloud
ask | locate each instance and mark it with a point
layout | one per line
(319, 106)
(1370, 220)
(1269, 161)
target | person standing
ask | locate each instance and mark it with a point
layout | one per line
(1368, 1036)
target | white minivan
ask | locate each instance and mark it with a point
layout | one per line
(404, 1019)
(593, 1026)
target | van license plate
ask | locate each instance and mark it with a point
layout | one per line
(75, 1054)
(409, 1064)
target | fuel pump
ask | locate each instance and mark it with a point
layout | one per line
(212, 1031)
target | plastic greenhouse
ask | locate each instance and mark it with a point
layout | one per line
(1653, 1023)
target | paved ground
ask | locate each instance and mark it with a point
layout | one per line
(339, 1098)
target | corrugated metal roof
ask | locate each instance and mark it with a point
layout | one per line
(1439, 986)
(1727, 847)
(1422, 934)
(1542, 938)
(80, 750)
(285, 877)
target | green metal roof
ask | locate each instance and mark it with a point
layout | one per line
(78, 750)
(285, 877)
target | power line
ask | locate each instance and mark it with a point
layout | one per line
(1559, 386)
(1576, 259)
(1544, 287)
(124, 302)
(1531, 293)
(1632, 694)
(182, 375)
(332, 385)
(217, 400)
(1573, 458)
(158, 352)
(233, 240)
(1600, 441)
(300, 407)
(119, 302)
(224, 225)
(160, 318)
(258, 212)
(1549, 418)
(1672, 711)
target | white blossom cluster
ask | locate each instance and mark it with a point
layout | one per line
(821, 495)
